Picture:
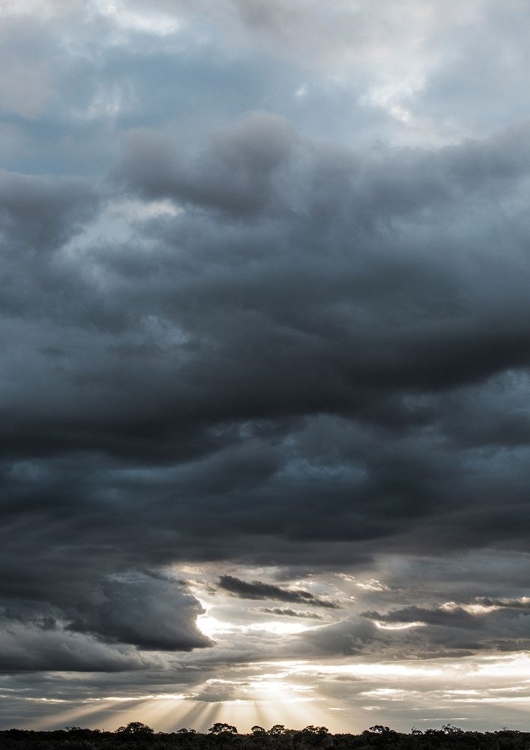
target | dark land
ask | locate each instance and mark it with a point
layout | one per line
(138, 736)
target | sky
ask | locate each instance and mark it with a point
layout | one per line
(264, 363)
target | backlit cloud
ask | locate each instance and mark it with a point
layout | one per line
(265, 364)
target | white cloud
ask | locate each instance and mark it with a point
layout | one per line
(139, 18)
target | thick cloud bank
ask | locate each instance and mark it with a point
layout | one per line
(266, 338)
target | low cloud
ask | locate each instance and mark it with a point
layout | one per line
(347, 637)
(152, 614)
(286, 612)
(261, 590)
(218, 690)
(27, 649)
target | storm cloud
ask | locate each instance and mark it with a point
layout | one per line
(260, 590)
(265, 336)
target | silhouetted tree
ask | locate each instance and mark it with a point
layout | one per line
(221, 736)
(221, 728)
(136, 728)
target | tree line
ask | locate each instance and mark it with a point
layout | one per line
(222, 736)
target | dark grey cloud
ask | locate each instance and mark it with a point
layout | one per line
(478, 626)
(43, 212)
(249, 153)
(217, 690)
(150, 614)
(345, 638)
(303, 367)
(27, 649)
(506, 604)
(262, 590)
(288, 612)
(454, 617)
(65, 627)
(263, 302)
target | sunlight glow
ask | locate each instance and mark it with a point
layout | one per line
(267, 688)
(367, 670)
(211, 627)
(472, 609)
(372, 585)
(509, 666)
(398, 625)
(290, 692)
(391, 694)
(276, 626)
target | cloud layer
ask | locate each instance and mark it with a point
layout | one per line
(266, 338)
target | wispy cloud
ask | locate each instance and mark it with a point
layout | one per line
(261, 590)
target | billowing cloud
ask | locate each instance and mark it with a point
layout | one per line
(27, 649)
(145, 613)
(265, 338)
(234, 175)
